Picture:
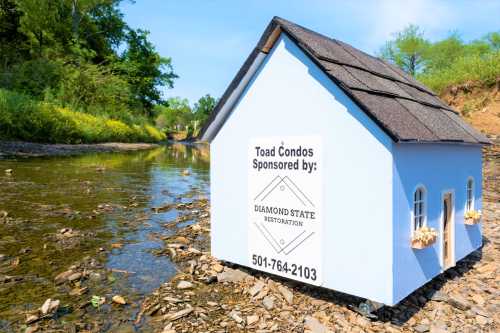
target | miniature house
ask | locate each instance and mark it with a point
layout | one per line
(332, 167)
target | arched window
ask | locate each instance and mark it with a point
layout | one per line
(419, 208)
(470, 194)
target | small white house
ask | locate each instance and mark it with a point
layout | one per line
(326, 163)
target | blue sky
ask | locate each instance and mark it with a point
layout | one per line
(208, 40)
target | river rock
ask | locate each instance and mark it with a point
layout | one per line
(268, 302)
(236, 316)
(75, 276)
(313, 325)
(119, 300)
(62, 277)
(49, 306)
(421, 328)
(252, 319)
(231, 275)
(218, 268)
(287, 294)
(257, 287)
(184, 285)
(459, 302)
(179, 314)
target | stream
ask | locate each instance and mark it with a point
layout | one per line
(94, 212)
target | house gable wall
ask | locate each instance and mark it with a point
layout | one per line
(290, 96)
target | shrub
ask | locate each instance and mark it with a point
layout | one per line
(25, 119)
(481, 68)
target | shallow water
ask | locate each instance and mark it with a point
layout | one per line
(106, 199)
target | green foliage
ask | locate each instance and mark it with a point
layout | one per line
(145, 69)
(65, 53)
(446, 62)
(485, 69)
(204, 107)
(407, 49)
(35, 77)
(23, 118)
(94, 86)
(175, 115)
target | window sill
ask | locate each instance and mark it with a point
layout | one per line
(471, 221)
(417, 244)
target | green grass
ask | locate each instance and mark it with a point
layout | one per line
(23, 118)
(484, 69)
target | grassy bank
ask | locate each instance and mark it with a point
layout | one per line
(483, 69)
(23, 118)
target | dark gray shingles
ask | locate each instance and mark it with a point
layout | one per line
(377, 83)
(481, 138)
(395, 118)
(421, 96)
(340, 73)
(437, 121)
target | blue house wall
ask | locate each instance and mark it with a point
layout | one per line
(439, 168)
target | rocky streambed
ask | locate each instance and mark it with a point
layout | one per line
(142, 263)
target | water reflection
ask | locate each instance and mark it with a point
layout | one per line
(106, 199)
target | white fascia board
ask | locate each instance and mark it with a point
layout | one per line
(226, 109)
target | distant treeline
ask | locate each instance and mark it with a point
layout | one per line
(446, 62)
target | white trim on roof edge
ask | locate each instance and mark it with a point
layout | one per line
(226, 109)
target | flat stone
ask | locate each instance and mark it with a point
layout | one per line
(478, 299)
(268, 302)
(231, 275)
(236, 317)
(315, 326)
(257, 287)
(62, 277)
(287, 294)
(119, 300)
(362, 322)
(421, 328)
(459, 302)
(439, 297)
(184, 285)
(75, 276)
(252, 319)
(179, 314)
(482, 320)
(218, 268)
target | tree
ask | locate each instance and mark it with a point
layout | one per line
(204, 107)
(146, 70)
(175, 114)
(39, 21)
(441, 53)
(493, 38)
(407, 49)
(12, 40)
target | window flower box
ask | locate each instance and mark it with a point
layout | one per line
(423, 237)
(472, 217)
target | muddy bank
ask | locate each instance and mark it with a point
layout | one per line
(30, 149)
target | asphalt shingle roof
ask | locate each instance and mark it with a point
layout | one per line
(403, 107)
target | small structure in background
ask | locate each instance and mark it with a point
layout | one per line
(332, 167)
